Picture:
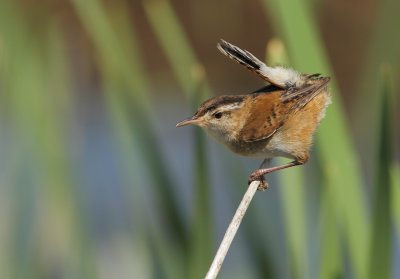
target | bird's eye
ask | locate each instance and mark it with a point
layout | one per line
(218, 115)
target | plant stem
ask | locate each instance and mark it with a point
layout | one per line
(231, 231)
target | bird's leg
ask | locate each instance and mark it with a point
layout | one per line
(258, 175)
(263, 183)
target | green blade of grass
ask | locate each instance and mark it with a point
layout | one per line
(340, 163)
(330, 264)
(190, 77)
(17, 245)
(293, 199)
(383, 49)
(292, 191)
(395, 195)
(129, 106)
(61, 100)
(168, 262)
(38, 115)
(174, 42)
(381, 250)
(201, 232)
(126, 93)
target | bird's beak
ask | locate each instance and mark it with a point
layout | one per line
(190, 121)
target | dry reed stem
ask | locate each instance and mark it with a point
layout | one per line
(231, 231)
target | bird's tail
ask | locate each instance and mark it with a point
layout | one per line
(243, 57)
(279, 76)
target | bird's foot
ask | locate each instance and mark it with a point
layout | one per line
(263, 183)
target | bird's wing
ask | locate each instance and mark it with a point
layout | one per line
(267, 115)
(270, 110)
(301, 96)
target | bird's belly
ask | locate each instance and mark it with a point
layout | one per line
(258, 149)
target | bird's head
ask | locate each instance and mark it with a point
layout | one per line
(221, 116)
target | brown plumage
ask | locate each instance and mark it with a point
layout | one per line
(277, 120)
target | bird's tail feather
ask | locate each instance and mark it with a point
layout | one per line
(279, 76)
(243, 57)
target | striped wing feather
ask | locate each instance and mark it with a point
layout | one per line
(267, 116)
(270, 110)
(303, 95)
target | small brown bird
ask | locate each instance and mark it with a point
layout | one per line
(277, 120)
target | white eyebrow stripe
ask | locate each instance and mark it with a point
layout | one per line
(231, 106)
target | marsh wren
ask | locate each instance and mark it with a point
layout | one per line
(276, 120)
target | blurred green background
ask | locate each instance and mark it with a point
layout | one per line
(96, 181)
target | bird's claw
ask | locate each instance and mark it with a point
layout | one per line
(263, 183)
